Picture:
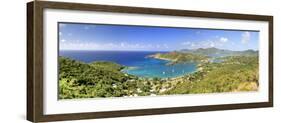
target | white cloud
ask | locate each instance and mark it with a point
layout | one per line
(74, 45)
(246, 36)
(212, 44)
(223, 39)
(206, 44)
(149, 45)
(86, 45)
(166, 46)
(63, 40)
(157, 46)
(218, 42)
(60, 33)
(193, 45)
(122, 44)
(186, 43)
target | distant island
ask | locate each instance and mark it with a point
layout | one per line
(217, 70)
(179, 57)
(200, 55)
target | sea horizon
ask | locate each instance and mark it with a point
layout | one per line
(155, 50)
(123, 50)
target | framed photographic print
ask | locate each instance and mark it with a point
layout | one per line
(97, 61)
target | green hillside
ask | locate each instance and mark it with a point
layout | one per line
(236, 73)
(80, 80)
(180, 57)
(99, 79)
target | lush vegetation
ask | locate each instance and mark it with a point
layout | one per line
(180, 57)
(98, 79)
(236, 73)
(232, 73)
(80, 80)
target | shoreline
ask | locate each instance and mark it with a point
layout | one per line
(160, 58)
(162, 78)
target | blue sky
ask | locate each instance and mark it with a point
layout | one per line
(146, 38)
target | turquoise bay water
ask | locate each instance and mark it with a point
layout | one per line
(137, 62)
(158, 68)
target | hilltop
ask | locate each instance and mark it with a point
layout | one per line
(179, 57)
(200, 55)
(213, 52)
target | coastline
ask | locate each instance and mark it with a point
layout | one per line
(156, 56)
(128, 68)
(182, 81)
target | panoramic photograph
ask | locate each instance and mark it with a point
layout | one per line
(104, 61)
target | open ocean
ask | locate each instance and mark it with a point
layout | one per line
(143, 66)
